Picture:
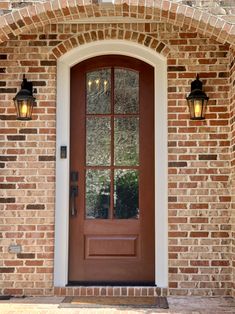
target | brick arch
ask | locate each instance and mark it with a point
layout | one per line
(40, 14)
(107, 33)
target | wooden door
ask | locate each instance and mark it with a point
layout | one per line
(111, 237)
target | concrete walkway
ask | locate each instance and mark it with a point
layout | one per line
(187, 305)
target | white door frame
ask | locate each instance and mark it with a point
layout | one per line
(64, 64)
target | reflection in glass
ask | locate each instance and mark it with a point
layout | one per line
(98, 141)
(97, 194)
(126, 194)
(126, 141)
(98, 92)
(126, 91)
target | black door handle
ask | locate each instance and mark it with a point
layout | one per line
(73, 195)
(73, 192)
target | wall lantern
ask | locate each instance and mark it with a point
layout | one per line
(197, 100)
(24, 101)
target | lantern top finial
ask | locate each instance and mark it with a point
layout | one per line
(196, 84)
(27, 85)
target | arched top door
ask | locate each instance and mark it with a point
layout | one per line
(112, 167)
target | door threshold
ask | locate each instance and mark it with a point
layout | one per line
(110, 284)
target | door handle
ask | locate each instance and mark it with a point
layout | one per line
(73, 195)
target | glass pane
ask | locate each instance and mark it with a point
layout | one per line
(126, 95)
(126, 141)
(98, 138)
(126, 197)
(98, 85)
(97, 193)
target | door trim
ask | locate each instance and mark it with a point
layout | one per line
(64, 64)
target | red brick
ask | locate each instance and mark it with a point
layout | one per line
(189, 270)
(219, 234)
(199, 263)
(177, 234)
(4, 270)
(199, 220)
(199, 234)
(220, 263)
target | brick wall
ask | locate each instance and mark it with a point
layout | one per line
(199, 156)
(27, 162)
(232, 94)
(199, 170)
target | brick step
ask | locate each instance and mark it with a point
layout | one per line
(110, 291)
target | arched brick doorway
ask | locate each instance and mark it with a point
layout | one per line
(62, 200)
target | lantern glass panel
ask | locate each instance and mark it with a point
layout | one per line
(191, 108)
(24, 108)
(204, 104)
(198, 108)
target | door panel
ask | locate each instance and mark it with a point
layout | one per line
(111, 246)
(112, 148)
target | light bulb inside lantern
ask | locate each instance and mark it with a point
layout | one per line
(24, 110)
(198, 108)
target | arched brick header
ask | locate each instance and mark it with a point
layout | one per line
(111, 33)
(55, 11)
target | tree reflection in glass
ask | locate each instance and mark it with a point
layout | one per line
(126, 85)
(126, 198)
(97, 193)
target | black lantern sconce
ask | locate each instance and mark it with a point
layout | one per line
(24, 101)
(197, 100)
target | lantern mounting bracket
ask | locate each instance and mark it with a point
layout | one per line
(27, 85)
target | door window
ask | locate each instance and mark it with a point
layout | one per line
(112, 144)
